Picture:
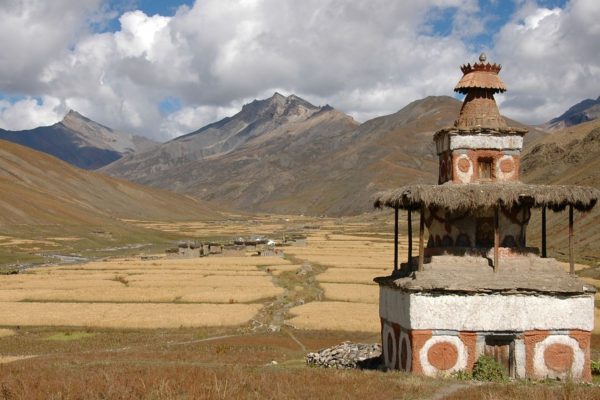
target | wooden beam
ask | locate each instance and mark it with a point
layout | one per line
(571, 242)
(410, 241)
(421, 238)
(496, 237)
(395, 238)
(544, 253)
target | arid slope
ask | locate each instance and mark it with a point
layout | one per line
(572, 157)
(285, 155)
(40, 189)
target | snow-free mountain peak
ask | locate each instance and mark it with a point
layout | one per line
(586, 110)
(79, 141)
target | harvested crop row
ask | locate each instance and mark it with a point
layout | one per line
(133, 316)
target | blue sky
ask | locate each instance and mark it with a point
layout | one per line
(165, 68)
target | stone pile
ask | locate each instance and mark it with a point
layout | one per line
(347, 356)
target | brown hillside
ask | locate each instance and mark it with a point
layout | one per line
(570, 156)
(40, 189)
(285, 155)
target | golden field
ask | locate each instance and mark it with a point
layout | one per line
(159, 292)
(338, 292)
(148, 326)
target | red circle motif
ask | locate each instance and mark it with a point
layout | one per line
(464, 165)
(443, 355)
(558, 357)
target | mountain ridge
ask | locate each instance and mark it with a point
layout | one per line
(79, 141)
(584, 111)
(299, 158)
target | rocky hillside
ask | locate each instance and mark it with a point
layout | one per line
(80, 141)
(256, 122)
(586, 110)
(285, 155)
(39, 189)
(572, 157)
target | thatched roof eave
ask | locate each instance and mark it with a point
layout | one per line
(462, 197)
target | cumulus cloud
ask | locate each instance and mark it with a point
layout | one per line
(28, 113)
(551, 57)
(364, 57)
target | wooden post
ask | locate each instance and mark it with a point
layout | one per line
(421, 238)
(395, 238)
(496, 237)
(571, 243)
(544, 254)
(410, 262)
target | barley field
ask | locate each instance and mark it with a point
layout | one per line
(148, 326)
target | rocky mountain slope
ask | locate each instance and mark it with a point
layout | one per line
(39, 189)
(79, 141)
(259, 120)
(285, 155)
(570, 156)
(586, 110)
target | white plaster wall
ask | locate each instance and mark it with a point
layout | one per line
(442, 143)
(520, 358)
(463, 177)
(482, 141)
(394, 306)
(486, 312)
(506, 176)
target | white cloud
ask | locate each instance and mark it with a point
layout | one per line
(364, 57)
(189, 119)
(551, 58)
(29, 113)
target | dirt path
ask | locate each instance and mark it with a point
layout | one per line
(448, 390)
(299, 286)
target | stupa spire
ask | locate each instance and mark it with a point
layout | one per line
(479, 83)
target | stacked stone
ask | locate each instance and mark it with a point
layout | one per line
(347, 356)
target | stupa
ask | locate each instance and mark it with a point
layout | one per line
(475, 287)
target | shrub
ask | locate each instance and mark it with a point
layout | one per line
(596, 367)
(488, 369)
(462, 375)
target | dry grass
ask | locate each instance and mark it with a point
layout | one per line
(222, 280)
(330, 315)
(351, 275)
(12, 241)
(352, 293)
(6, 332)
(135, 293)
(548, 391)
(214, 262)
(9, 359)
(141, 378)
(277, 270)
(128, 315)
(149, 294)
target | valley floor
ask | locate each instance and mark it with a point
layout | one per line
(223, 326)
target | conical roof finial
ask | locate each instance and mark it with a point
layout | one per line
(482, 57)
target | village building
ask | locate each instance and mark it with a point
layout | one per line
(476, 288)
